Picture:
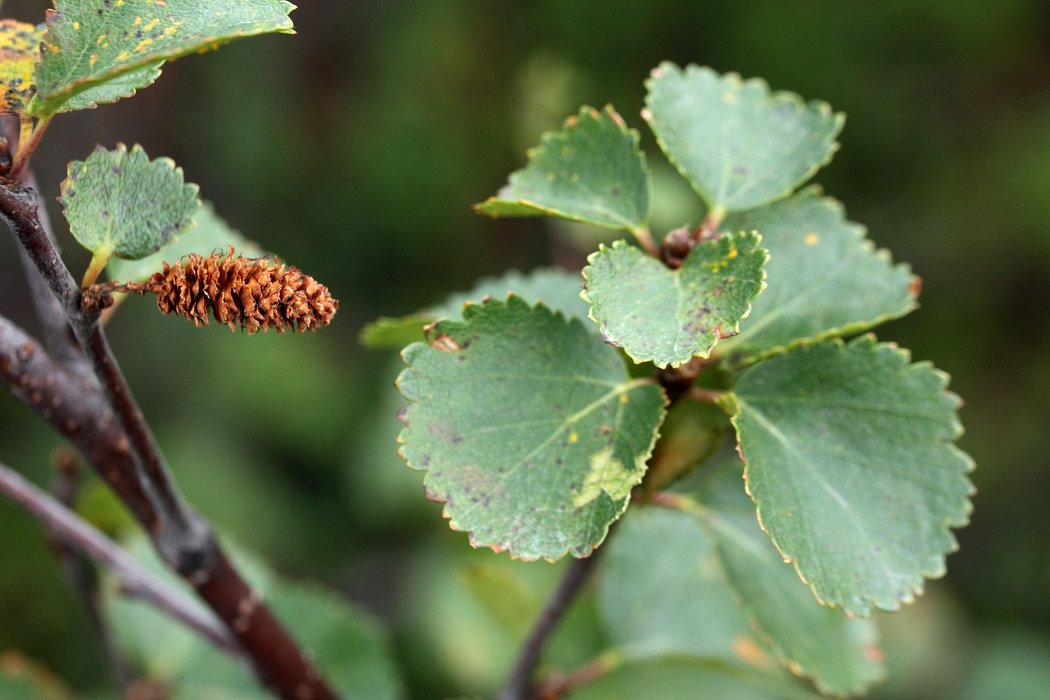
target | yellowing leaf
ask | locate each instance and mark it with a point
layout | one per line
(19, 52)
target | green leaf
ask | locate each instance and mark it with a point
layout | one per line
(590, 171)
(813, 641)
(90, 42)
(851, 463)
(529, 428)
(662, 592)
(504, 595)
(824, 277)
(738, 144)
(114, 89)
(671, 316)
(348, 645)
(559, 290)
(19, 52)
(210, 234)
(122, 203)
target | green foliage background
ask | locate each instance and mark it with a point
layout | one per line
(354, 149)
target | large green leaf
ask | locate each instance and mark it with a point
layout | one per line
(670, 316)
(559, 290)
(590, 171)
(738, 144)
(814, 641)
(824, 277)
(347, 644)
(529, 428)
(851, 462)
(210, 234)
(90, 42)
(662, 592)
(121, 203)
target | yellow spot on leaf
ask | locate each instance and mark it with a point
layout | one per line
(729, 98)
(142, 45)
(138, 21)
(574, 438)
(101, 39)
(151, 24)
(811, 239)
(123, 56)
(93, 59)
(76, 24)
(748, 650)
(733, 253)
(607, 475)
(624, 398)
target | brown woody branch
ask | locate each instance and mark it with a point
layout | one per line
(135, 464)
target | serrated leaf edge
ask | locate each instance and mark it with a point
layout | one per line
(796, 100)
(405, 415)
(743, 360)
(622, 243)
(550, 138)
(916, 586)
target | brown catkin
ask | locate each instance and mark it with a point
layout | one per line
(251, 293)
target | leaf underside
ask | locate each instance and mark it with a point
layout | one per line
(670, 316)
(528, 426)
(738, 144)
(591, 171)
(851, 463)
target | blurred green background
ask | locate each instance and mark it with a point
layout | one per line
(354, 151)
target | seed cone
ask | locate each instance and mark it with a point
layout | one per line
(251, 293)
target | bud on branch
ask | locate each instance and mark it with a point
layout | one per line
(251, 293)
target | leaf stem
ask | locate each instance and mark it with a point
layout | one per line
(519, 684)
(31, 130)
(604, 663)
(707, 396)
(645, 237)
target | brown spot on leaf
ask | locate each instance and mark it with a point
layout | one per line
(445, 343)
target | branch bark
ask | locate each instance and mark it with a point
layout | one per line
(133, 461)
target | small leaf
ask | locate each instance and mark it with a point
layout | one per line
(739, 145)
(90, 42)
(824, 277)
(559, 290)
(851, 463)
(19, 52)
(590, 171)
(122, 203)
(813, 641)
(114, 89)
(530, 429)
(671, 316)
(210, 234)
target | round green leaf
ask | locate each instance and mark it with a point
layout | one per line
(210, 234)
(824, 277)
(529, 428)
(122, 203)
(90, 42)
(671, 316)
(813, 641)
(662, 592)
(739, 145)
(590, 171)
(851, 463)
(559, 290)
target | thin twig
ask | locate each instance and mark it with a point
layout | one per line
(645, 237)
(594, 669)
(708, 396)
(183, 539)
(520, 685)
(134, 581)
